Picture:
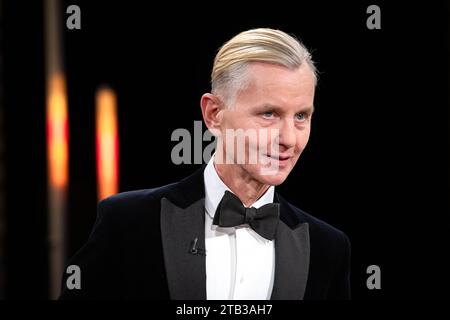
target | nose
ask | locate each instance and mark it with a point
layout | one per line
(287, 137)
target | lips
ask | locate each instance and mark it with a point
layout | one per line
(282, 160)
(280, 157)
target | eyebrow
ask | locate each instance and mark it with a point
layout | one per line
(270, 107)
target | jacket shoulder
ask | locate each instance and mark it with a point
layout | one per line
(136, 197)
(132, 207)
(183, 193)
(319, 227)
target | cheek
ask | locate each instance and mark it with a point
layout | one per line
(233, 119)
(302, 140)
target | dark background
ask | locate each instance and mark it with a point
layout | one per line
(376, 166)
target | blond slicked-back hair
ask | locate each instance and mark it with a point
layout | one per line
(255, 45)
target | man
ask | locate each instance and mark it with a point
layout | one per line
(223, 232)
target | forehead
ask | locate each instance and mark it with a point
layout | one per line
(278, 85)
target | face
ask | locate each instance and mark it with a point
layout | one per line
(274, 112)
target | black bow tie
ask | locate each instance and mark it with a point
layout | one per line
(231, 213)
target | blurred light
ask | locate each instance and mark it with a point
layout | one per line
(57, 143)
(57, 132)
(107, 143)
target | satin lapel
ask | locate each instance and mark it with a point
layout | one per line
(292, 253)
(185, 268)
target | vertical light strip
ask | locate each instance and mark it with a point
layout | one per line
(107, 143)
(57, 144)
(57, 132)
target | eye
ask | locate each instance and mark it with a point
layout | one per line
(268, 115)
(300, 116)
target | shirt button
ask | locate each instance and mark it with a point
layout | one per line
(242, 280)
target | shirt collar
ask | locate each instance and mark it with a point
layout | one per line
(215, 188)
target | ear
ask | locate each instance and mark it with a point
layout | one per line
(211, 110)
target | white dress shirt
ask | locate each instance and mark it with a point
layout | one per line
(240, 264)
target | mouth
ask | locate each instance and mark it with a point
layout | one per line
(282, 159)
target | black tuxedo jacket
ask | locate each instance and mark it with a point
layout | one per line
(140, 247)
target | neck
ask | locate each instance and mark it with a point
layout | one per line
(247, 189)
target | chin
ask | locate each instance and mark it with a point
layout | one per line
(270, 178)
(273, 180)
